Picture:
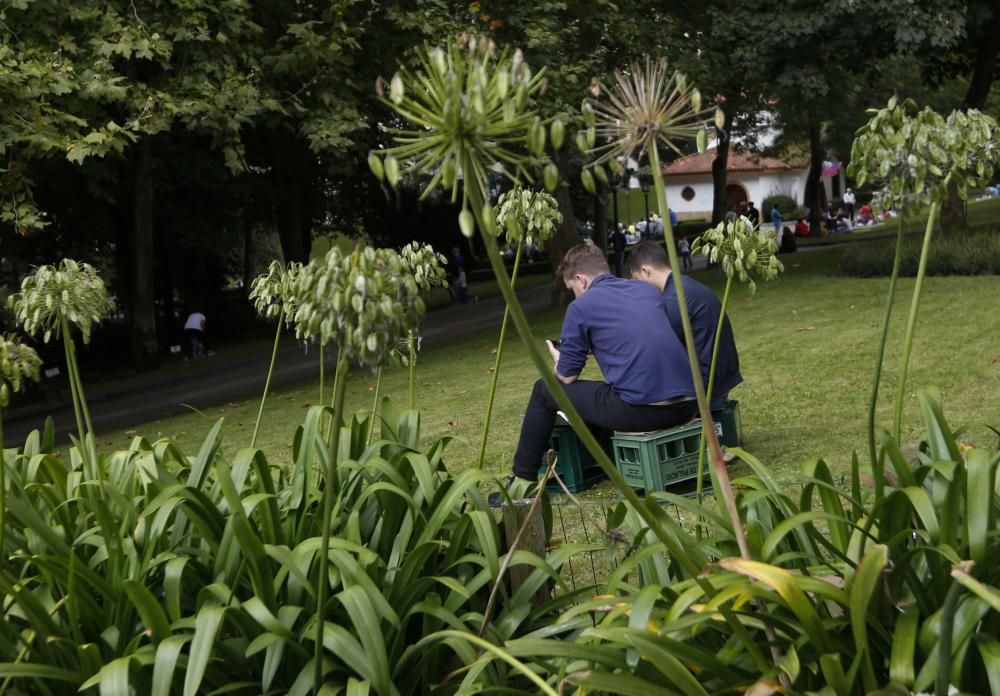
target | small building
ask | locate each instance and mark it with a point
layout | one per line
(750, 176)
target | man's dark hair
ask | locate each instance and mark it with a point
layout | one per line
(587, 259)
(648, 254)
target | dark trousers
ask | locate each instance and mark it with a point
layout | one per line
(599, 405)
(620, 263)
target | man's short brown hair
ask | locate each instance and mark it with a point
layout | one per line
(587, 259)
(648, 254)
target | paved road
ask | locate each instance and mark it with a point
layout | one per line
(218, 380)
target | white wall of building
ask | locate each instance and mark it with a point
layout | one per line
(758, 185)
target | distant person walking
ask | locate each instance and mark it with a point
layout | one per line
(194, 332)
(776, 220)
(618, 246)
(458, 279)
(685, 249)
(753, 215)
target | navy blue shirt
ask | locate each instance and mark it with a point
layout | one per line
(621, 322)
(704, 309)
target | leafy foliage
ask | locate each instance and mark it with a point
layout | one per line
(174, 574)
(839, 578)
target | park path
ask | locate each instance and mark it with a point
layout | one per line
(222, 378)
(219, 379)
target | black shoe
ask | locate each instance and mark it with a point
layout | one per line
(514, 488)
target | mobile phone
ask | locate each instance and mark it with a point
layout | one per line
(555, 342)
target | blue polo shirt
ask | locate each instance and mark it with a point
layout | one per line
(621, 322)
(704, 309)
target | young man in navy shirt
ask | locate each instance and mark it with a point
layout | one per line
(623, 324)
(650, 264)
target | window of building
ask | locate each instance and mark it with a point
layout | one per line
(687, 193)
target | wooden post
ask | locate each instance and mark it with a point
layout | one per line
(515, 515)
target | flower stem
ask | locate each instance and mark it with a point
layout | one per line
(329, 489)
(911, 322)
(70, 364)
(375, 411)
(649, 513)
(413, 370)
(879, 358)
(711, 380)
(496, 365)
(708, 427)
(267, 384)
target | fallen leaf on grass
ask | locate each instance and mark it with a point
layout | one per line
(491, 369)
(806, 328)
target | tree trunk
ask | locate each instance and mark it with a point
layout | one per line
(954, 213)
(142, 312)
(814, 198)
(565, 236)
(293, 183)
(985, 65)
(719, 177)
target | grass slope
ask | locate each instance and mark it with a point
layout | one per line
(806, 345)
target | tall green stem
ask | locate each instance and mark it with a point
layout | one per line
(413, 370)
(70, 365)
(911, 322)
(879, 358)
(330, 487)
(649, 514)
(708, 427)
(496, 364)
(375, 411)
(711, 380)
(267, 383)
(322, 370)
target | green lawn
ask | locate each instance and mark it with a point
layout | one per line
(806, 345)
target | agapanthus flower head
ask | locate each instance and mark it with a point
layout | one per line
(913, 156)
(67, 290)
(470, 111)
(527, 216)
(273, 293)
(743, 251)
(18, 363)
(425, 265)
(645, 105)
(364, 301)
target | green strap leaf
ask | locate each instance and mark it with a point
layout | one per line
(864, 587)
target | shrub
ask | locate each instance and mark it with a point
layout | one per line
(163, 573)
(786, 204)
(897, 594)
(955, 254)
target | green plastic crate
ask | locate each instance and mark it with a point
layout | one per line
(728, 426)
(656, 461)
(575, 466)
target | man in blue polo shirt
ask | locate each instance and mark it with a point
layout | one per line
(650, 264)
(623, 323)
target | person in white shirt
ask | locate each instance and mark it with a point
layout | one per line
(849, 204)
(194, 331)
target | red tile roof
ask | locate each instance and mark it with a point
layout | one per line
(739, 161)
